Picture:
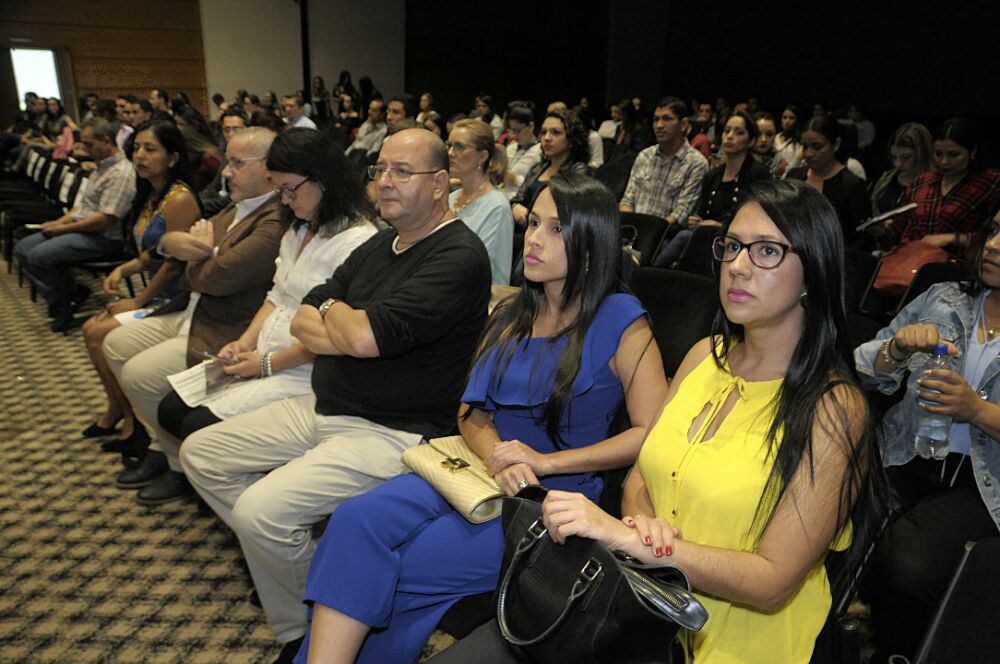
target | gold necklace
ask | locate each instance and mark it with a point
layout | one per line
(468, 199)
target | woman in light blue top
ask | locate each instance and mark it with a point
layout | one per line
(480, 165)
(943, 503)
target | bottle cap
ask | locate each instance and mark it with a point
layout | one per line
(941, 349)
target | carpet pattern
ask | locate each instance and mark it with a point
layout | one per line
(86, 573)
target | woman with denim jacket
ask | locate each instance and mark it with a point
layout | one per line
(942, 504)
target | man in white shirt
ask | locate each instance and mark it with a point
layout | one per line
(523, 152)
(295, 112)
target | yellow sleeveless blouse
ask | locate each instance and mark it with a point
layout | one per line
(710, 490)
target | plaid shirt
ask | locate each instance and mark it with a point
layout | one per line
(661, 186)
(964, 209)
(111, 190)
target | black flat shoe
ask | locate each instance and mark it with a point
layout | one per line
(134, 445)
(153, 465)
(95, 430)
(166, 488)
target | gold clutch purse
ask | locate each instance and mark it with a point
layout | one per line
(450, 466)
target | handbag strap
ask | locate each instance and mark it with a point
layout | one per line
(591, 571)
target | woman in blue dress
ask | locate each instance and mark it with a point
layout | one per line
(555, 365)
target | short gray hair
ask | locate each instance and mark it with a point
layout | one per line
(103, 130)
(259, 139)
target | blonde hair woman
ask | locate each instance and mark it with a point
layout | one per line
(480, 164)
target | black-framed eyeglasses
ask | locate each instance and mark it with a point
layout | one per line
(396, 173)
(290, 192)
(457, 146)
(765, 254)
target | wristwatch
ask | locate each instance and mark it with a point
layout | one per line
(325, 307)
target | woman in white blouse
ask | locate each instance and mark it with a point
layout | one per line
(332, 218)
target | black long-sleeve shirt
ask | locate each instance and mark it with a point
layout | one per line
(427, 307)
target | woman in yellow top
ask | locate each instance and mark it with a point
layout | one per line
(759, 462)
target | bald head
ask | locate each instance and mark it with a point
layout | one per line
(425, 148)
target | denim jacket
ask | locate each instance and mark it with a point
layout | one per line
(954, 313)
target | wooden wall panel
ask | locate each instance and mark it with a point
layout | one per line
(115, 46)
(166, 14)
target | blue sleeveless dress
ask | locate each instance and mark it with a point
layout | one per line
(398, 557)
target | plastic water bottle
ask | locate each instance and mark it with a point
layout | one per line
(933, 428)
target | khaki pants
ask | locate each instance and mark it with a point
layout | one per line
(141, 356)
(273, 473)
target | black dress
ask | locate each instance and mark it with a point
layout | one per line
(848, 196)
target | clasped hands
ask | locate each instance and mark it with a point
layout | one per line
(237, 359)
(953, 396)
(643, 537)
(514, 464)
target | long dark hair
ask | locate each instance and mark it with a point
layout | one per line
(579, 148)
(588, 216)
(170, 137)
(967, 133)
(830, 129)
(312, 154)
(821, 361)
(974, 255)
(795, 131)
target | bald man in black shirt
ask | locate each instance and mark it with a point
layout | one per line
(394, 330)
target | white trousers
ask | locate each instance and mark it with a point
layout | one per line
(273, 473)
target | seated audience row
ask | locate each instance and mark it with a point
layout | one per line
(351, 342)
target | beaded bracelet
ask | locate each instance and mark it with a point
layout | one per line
(887, 354)
(266, 370)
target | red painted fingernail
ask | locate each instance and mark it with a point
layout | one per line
(670, 550)
(647, 539)
(658, 552)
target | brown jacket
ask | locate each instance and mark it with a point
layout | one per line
(234, 282)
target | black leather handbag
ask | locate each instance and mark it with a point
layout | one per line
(579, 602)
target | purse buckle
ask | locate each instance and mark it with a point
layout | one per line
(454, 464)
(591, 570)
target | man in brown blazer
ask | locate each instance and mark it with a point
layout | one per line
(230, 267)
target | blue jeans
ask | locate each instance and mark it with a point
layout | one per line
(674, 249)
(47, 261)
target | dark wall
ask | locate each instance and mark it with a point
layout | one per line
(543, 51)
(918, 60)
(891, 57)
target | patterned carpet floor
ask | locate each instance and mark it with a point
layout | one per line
(86, 573)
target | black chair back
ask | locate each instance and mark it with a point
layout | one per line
(697, 258)
(681, 307)
(859, 268)
(644, 232)
(965, 626)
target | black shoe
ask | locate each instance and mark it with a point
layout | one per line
(95, 430)
(289, 651)
(133, 446)
(153, 465)
(166, 488)
(62, 319)
(80, 295)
